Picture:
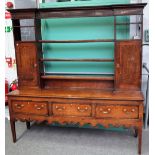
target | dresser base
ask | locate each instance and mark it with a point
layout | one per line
(109, 109)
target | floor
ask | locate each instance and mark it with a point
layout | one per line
(44, 139)
(7, 113)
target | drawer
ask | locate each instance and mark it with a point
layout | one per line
(30, 107)
(72, 109)
(112, 111)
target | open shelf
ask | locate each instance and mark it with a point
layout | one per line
(129, 23)
(80, 60)
(54, 41)
(78, 75)
(100, 78)
(76, 41)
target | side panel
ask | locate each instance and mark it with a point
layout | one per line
(27, 67)
(128, 65)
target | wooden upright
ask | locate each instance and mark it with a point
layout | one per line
(108, 100)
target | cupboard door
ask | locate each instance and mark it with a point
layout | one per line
(128, 65)
(26, 55)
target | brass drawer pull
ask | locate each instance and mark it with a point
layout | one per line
(125, 110)
(60, 108)
(81, 109)
(38, 107)
(105, 111)
(128, 111)
(19, 106)
(133, 110)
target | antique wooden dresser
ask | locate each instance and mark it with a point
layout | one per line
(79, 89)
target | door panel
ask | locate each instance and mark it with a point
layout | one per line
(128, 65)
(27, 64)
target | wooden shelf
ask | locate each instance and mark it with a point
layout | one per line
(78, 73)
(80, 60)
(54, 41)
(100, 78)
(128, 23)
(76, 41)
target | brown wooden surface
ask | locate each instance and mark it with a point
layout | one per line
(74, 99)
(26, 55)
(85, 11)
(67, 82)
(73, 109)
(76, 41)
(99, 78)
(117, 111)
(80, 60)
(80, 93)
(29, 107)
(128, 65)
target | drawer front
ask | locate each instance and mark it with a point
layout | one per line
(72, 109)
(30, 107)
(112, 111)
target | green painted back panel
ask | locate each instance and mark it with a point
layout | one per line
(78, 28)
(81, 28)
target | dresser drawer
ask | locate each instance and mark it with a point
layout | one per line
(112, 111)
(30, 107)
(72, 109)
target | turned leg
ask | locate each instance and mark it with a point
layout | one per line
(139, 140)
(13, 130)
(28, 124)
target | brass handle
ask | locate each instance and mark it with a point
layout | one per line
(128, 111)
(19, 106)
(35, 65)
(60, 108)
(105, 111)
(38, 107)
(125, 110)
(133, 110)
(117, 65)
(81, 109)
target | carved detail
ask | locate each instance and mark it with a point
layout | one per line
(80, 124)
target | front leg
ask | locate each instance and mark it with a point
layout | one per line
(13, 130)
(139, 140)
